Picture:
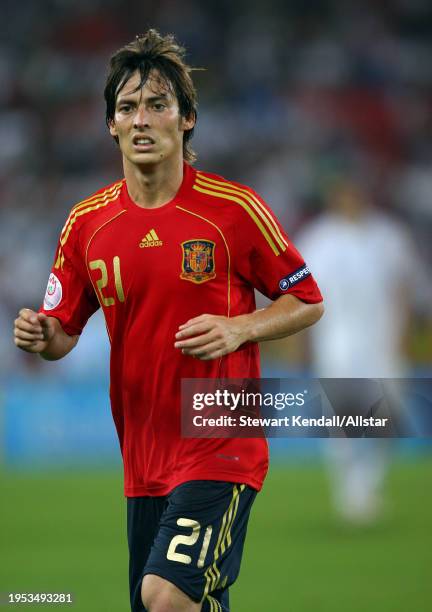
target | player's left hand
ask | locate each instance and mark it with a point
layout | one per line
(210, 336)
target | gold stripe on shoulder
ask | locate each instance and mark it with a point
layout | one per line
(264, 213)
(243, 204)
(93, 199)
(100, 203)
(60, 259)
(97, 195)
(63, 239)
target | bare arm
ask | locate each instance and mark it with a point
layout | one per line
(36, 333)
(211, 336)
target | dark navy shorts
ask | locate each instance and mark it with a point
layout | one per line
(192, 537)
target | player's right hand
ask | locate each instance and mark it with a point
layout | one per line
(33, 331)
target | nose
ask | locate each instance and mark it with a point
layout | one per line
(142, 117)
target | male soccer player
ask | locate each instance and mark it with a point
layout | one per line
(172, 255)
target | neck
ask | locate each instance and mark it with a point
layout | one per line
(154, 185)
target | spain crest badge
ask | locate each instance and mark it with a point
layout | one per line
(198, 265)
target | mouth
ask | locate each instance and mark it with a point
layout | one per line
(143, 143)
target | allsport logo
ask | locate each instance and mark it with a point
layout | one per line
(150, 240)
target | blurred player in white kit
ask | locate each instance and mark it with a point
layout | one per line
(368, 270)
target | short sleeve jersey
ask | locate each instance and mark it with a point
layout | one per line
(151, 270)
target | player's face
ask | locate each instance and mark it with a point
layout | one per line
(147, 122)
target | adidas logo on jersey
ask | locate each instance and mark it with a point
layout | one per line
(150, 240)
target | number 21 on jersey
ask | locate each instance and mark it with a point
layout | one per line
(102, 282)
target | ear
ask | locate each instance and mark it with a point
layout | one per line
(187, 123)
(112, 128)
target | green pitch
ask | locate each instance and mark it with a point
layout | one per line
(65, 532)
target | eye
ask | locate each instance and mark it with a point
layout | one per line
(125, 108)
(159, 106)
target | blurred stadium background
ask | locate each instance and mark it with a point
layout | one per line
(295, 95)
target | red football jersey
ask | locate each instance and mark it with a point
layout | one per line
(151, 270)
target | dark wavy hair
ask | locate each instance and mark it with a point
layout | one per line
(163, 54)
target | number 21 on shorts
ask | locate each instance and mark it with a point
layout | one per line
(189, 540)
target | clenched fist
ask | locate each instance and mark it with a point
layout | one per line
(33, 331)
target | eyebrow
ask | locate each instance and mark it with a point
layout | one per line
(128, 97)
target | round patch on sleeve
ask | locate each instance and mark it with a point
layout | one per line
(53, 293)
(284, 284)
